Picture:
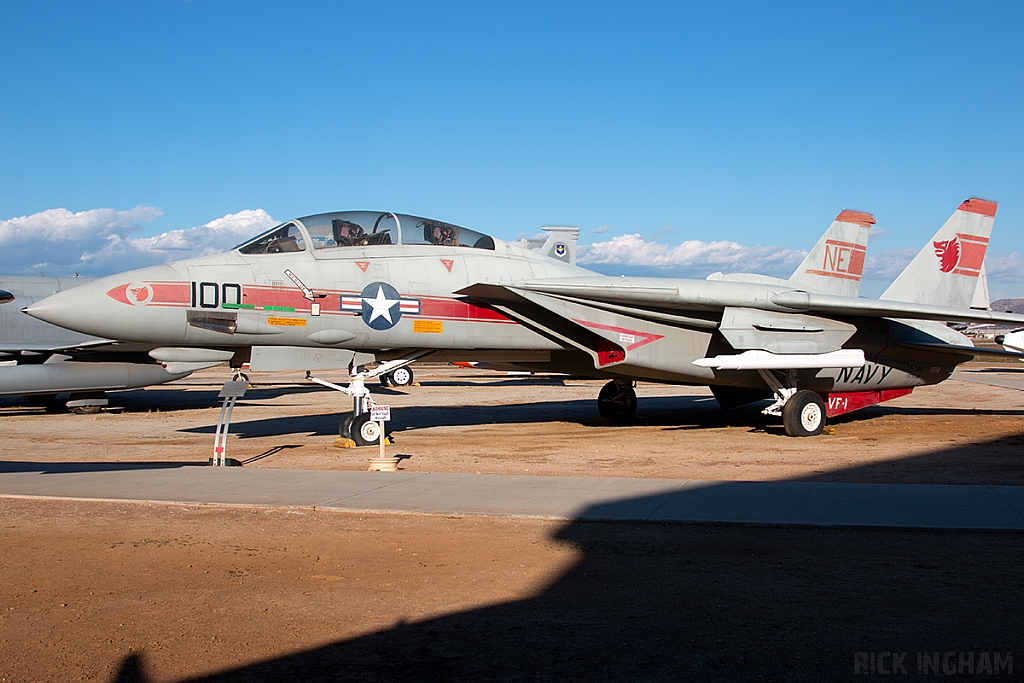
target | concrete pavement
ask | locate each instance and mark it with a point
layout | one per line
(930, 506)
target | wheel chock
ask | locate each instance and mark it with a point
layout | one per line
(349, 443)
(831, 431)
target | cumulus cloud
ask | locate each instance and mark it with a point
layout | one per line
(692, 257)
(886, 265)
(101, 241)
(875, 231)
(1004, 276)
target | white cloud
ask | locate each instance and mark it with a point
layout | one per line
(99, 241)
(875, 231)
(695, 257)
(603, 228)
(886, 265)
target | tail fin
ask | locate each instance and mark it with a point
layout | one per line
(981, 299)
(560, 244)
(836, 263)
(945, 272)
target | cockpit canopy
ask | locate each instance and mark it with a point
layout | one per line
(363, 229)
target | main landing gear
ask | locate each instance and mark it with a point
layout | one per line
(802, 411)
(357, 424)
(617, 400)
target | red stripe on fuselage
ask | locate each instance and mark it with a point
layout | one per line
(260, 296)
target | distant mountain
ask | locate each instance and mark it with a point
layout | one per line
(1012, 305)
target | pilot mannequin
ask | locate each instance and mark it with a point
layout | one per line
(347, 233)
(436, 232)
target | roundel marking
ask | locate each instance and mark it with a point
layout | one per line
(380, 305)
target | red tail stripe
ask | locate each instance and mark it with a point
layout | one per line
(856, 217)
(975, 205)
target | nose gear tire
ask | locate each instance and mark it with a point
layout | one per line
(365, 432)
(345, 427)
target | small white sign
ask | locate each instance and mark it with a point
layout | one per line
(626, 338)
(380, 413)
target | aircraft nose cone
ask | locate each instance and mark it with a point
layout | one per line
(135, 306)
(61, 309)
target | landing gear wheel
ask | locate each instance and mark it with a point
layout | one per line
(365, 432)
(385, 380)
(402, 377)
(804, 414)
(345, 426)
(616, 401)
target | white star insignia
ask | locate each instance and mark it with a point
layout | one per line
(381, 306)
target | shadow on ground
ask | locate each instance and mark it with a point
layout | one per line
(657, 602)
(14, 466)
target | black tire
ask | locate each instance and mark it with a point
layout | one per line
(345, 426)
(804, 414)
(385, 380)
(401, 377)
(617, 401)
(365, 432)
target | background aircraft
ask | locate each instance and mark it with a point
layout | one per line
(1012, 341)
(42, 361)
(395, 288)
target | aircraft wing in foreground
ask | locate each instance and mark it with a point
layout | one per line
(396, 288)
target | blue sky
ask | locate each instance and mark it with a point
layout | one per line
(750, 122)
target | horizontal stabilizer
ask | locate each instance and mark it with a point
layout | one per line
(823, 304)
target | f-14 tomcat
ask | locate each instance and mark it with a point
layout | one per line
(401, 288)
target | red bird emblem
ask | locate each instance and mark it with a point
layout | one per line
(948, 253)
(140, 293)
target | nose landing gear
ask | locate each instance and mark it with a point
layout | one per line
(357, 424)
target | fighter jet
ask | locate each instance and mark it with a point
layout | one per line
(42, 361)
(394, 288)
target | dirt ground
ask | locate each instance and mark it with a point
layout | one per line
(131, 592)
(474, 421)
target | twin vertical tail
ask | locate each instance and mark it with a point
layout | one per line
(945, 272)
(836, 263)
